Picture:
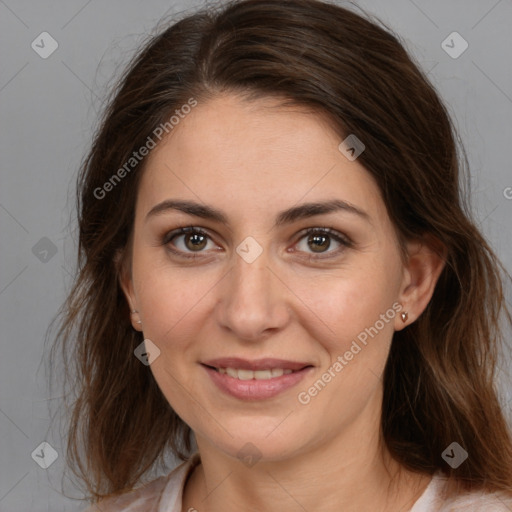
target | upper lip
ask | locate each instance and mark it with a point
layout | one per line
(266, 363)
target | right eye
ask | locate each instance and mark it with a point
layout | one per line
(187, 241)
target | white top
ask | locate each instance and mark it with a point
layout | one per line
(165, 495)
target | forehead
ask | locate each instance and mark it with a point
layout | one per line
(255, 156)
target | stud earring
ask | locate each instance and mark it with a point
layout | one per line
(404, 316)
(135, 311)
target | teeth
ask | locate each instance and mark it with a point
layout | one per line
(232, 373)
(262, 374)
(245, 374)
(258, 374)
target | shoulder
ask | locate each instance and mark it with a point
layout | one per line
(479, 502)
(163, 493)
(434, 499)
(143, 498)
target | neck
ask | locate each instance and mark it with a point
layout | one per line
(350, 472)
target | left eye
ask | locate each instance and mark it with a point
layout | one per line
(320, 241)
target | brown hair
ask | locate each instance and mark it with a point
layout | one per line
(439, 378)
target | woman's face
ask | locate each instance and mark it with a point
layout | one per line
(250, 282)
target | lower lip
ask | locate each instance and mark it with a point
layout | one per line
(255, 389)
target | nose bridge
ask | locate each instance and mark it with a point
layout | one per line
(252, 304)
(251, 280)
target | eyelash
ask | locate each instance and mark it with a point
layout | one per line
(343, 240)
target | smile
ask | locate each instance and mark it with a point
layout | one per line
(255, 384)
(242, 374)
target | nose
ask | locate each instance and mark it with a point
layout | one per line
(253, 301)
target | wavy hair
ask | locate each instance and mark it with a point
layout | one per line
(439, 382)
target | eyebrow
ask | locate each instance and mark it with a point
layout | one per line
(288, 216)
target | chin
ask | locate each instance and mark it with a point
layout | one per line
(254, 444)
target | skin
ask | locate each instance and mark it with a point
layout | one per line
(291, 302)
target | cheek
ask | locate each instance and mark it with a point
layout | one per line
(341, 305)
(355, 334)
(173, 304)
(171, 300)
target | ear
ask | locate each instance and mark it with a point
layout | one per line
(123, 266)
(425, 262)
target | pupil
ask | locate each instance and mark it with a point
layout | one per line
(319, 243)
(196, 241)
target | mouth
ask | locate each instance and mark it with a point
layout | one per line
(243, 374)
(253, 380)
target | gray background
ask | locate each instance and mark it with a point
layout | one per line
(48, 110)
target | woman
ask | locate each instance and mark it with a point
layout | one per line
(279, 281)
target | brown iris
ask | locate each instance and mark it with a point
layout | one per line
(195, 241)
(319, 243)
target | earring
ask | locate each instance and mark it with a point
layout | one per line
(135, 311)
(404, 316)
